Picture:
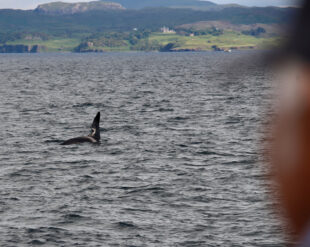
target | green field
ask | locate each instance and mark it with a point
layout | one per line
(205, 42)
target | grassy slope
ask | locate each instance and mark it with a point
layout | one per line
(205, 42)
(52, 45)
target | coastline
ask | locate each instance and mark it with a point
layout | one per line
(24, 49)
(163, 43)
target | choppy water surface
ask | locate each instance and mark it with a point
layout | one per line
(178, 164)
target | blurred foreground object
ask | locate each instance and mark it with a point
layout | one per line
(290, 147)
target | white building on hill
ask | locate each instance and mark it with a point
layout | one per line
(166, 30)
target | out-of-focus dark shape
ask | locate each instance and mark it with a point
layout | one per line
(298, 45)
(290, 146)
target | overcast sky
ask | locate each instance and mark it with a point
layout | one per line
(31, 4)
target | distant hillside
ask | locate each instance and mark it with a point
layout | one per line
(60, 8)
(270, 30)
(150, 18)
(140, 4)
(98, 26)
(74, 22)
(189, 4)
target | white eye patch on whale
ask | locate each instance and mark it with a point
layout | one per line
(93, 137)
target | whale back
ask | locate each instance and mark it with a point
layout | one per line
(93, 137)
(80, 139)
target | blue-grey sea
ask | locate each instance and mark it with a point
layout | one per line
(180, 160)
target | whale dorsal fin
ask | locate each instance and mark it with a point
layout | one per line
(95, 130)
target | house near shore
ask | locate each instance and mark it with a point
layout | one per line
(167, 30)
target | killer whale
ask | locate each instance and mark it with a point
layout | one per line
(93, 137)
